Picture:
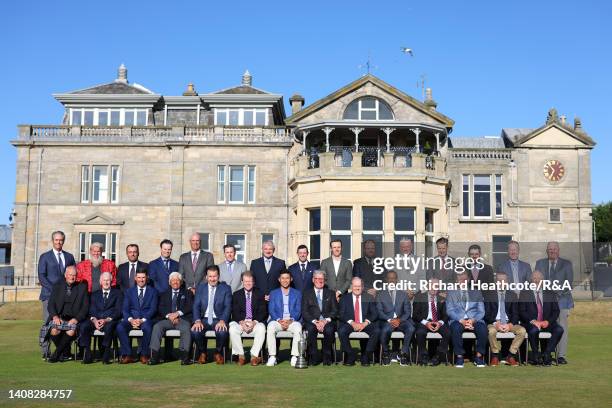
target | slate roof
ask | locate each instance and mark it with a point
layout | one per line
(482, 142)
(114, 88)
(241, 89)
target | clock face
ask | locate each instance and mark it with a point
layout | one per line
(553, 170)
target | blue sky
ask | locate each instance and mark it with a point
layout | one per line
(490, 64)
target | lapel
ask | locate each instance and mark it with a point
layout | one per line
(200, 256)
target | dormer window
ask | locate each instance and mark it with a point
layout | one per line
(108, 117)
(368, 108)
(241, 117)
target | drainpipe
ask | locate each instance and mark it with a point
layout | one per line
(39, 177)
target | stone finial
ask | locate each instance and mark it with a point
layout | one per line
(190, 91)
(577, 124)
(429, 102)
(122, 74)
(563, 119)
(552, 117)
(247, 78)
(297, 102)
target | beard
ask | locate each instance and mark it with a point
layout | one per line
(96, 261)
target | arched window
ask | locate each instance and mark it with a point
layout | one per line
(368, 108)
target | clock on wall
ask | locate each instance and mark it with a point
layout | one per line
(553, 170)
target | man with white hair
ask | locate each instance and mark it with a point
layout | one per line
(91, 269)
(267, 269)
(194, 263)
(174, 311)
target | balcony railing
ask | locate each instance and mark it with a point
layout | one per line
(155, 134)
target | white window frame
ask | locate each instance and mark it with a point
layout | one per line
(469, 193)
(243, 182)
(493, 191)
(110, 246)
(115, 180)
(87, 185)
(242, 251)
(348, 232)
(96, 118)
(241, 116)
(102, 186)
(264, 239)
(378, 233)
(314, 232)
(405, 232)
(251, 184)
(221, 184)
(224, 184)
(205, 244)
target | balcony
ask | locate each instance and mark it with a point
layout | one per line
(154, 134)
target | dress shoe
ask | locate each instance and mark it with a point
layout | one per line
(241, 360)
(561, 361)
(435, 361)
(349, 363)
(106, 357)
(424, 360)
(327, 362)
(202, 358)
(154, 360)
(219, 359)
(494, 361)
(365, 362)
(127, 360)
(184, 357)
(511, 361)
(87, 359)
(53, 358)
(404, 360)
(546, 360)
(386, 359)
(255, 361)
(144, 359)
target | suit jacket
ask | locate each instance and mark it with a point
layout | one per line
(258, 305)
(123, 274)
(112, 308)
(232, 279)
(75, 306)
(193, 278)
(421, 308)
(563, 272)
(492, 305)
(437, 270)
(457, 310)
(131, 307)
(267, 281)
(222, 303)
(49, 272)
(347, 309)
(524, 270)
(485, 275)
(275, 307)
(310, 305)
(184, 303)
(342, 282)
(386, 308)
(303, 282)
(364, 270)
(158, 274)
(85, 271)
(528, 308)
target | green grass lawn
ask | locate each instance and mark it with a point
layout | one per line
(586, 381)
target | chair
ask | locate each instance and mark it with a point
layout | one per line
(543, 335)
(430, 336)
(359, 336)
(505, 336)
(395, 335)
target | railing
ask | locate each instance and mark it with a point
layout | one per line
(343, 155)
(371, 156)
(18, 294)
(402, 156)
(497, 154)
(10, 280)
(313, 158)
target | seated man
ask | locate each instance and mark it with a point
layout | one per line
(68, 305)
(285, 313)
(249, 313)
(139, 308)
(357, 314)
(319, 310)
(539, 311)
(430, 316)
(502, 316)
(104, 315)
(174, 310)
(211, 311)
(465, 310)
(394, 311)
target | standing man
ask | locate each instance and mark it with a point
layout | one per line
(362, 267)
(211, 311)
(484, 274)
(301, 271)
(91, 269)
(516, 270)
(338, 269)
(194, 264)
(285, 315)
(560, 270)
(249, 314)
(319, 310)
(443, 266)
(126, 273)
(159, 269)
(231, 269)
(267, 269)
(430, 317)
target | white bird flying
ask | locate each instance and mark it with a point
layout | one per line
(406, 50)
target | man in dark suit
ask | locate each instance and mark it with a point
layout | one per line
(358, 313)
(319, 312)
(126, 272)
(429, 314)
(104, 315)
(249, 315)
(194, 264)
(394, 311)
(443, 265)
(301, 271)
(502, 316)
(539, 311)
(267, 269)
(481, 275)
(363, 267)
(68, 305)
(139, 309)
(212, 309)
(174, 311)
(159, 269)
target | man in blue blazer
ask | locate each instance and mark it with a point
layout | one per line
(139, 309)
(301, 271)
(104, 315)
(465, 309)
(160, 268)
(212, 309)
(285, 309)
(516, 270)
(394, 311)
(267, 269)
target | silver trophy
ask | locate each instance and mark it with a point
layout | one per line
(301, 360)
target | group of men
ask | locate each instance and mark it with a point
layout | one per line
(196, 297)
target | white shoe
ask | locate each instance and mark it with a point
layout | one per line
(293, 361)
(271, 361)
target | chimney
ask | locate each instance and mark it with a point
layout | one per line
(429, 102)
(190, 91)
(577, 124)
(247, 78)
(122, 74)
(297, 102)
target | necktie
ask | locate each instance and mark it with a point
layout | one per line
(303, 267)
(61, 263)
(540, 309)
(229, 267)
(166, 264)
(393, 297)
(357, 311)
(503, 318)
(174, 301)
(268, 264)
(140, 296)
(211, 302)
(475, 273)
(68, 290)
(105, 297)
(514, 271)
(320, 302)
(249, 307)
(553, 265)
(194, 262)
(132, 274)
(434, 310)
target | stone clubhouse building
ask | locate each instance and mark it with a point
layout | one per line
(368, 161)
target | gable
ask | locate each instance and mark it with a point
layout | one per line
(98, 219)
(553, 136)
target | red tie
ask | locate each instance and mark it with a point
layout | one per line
(434, 311)
(540, 309)
(357, 314)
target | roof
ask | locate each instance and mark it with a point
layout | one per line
(514, 134)
(577, 134)
(115, 88)
(6, 233)
(241, 89)
(482, 142)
